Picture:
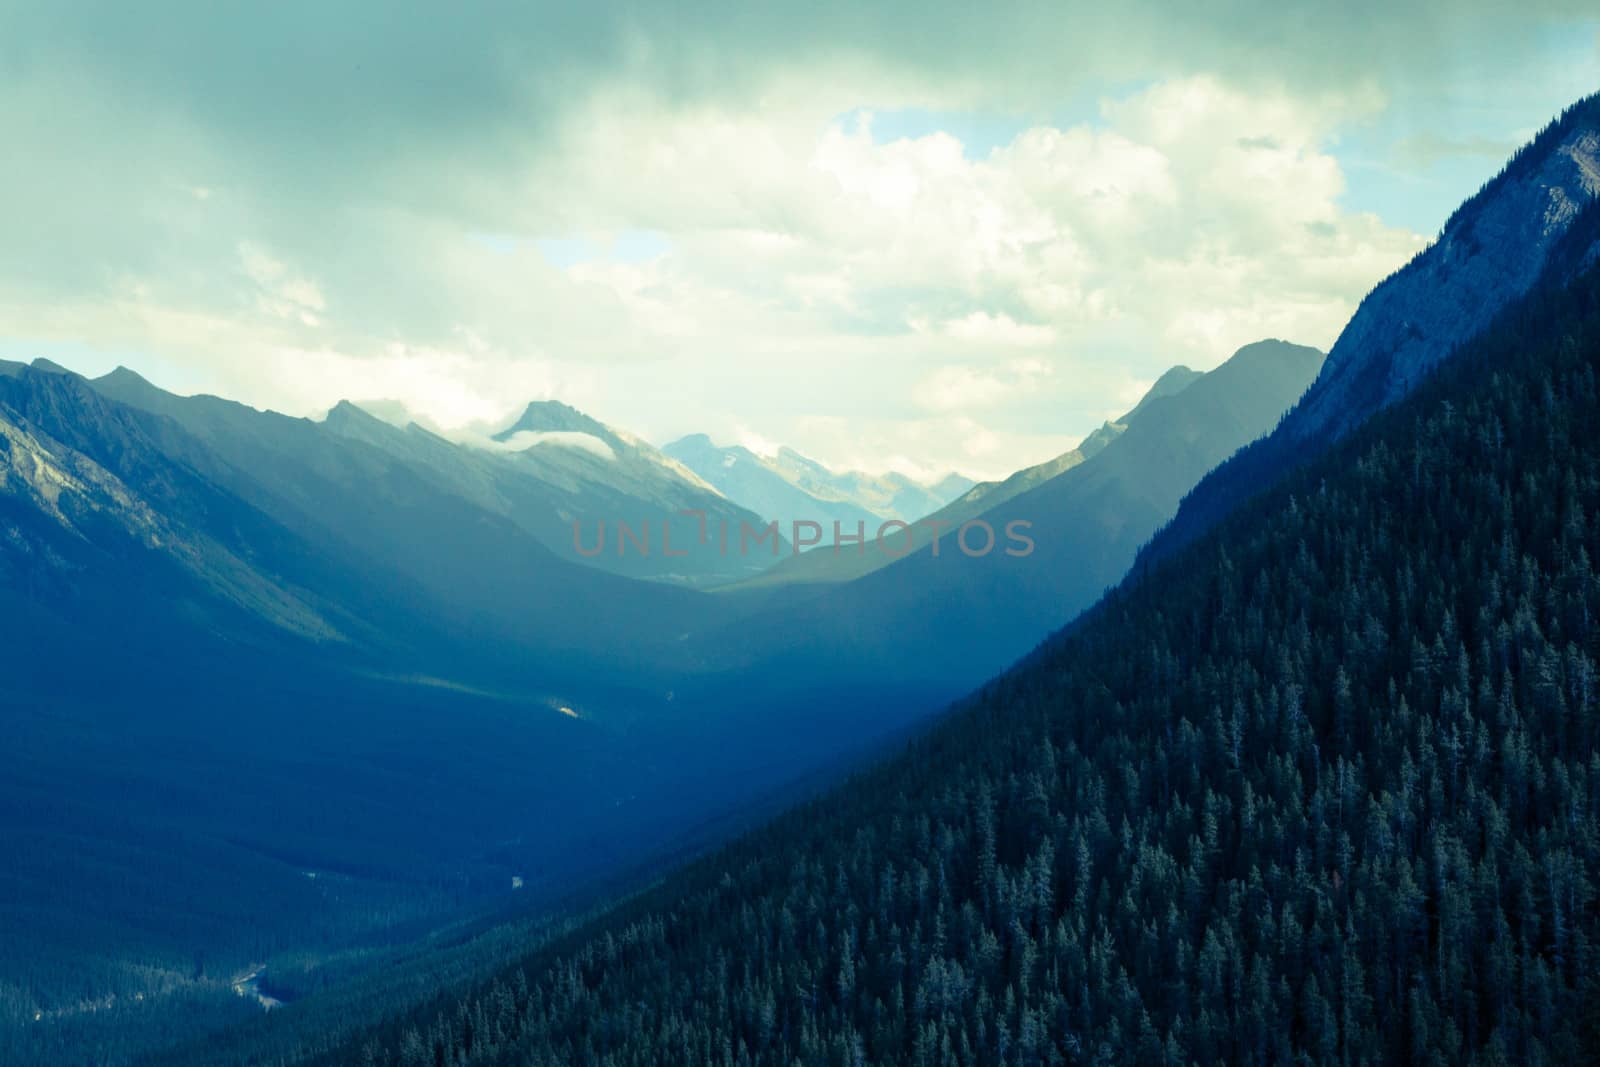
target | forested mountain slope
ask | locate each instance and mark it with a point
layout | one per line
(1324, 787)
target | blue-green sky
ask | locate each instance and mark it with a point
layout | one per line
(928, 235)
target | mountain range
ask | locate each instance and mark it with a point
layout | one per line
(554, 473)
(1312, 784)
(231, 621)
(1312, 780)
(1317, 791)
(788, 486)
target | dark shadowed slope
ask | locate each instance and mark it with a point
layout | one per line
(96, 507)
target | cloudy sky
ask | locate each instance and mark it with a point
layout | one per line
(923, 235)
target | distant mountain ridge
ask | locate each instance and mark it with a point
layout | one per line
(331, 537)
(557, 467)
(891, 495)
(825, 565)
(754, 481)
(789, 486)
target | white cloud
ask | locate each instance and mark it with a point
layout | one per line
(982, 328)
(281, 292)
(752, 440)
(523, 440)
(967, 389)
(855, 298)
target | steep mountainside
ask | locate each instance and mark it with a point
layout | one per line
(1528, 220)
(93, 504)
(1322, 789)
(372, 504)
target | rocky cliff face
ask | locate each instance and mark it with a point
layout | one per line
(89, 507)
(1491, 252)
(1539, 215)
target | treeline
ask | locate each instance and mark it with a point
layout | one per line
(1325, 788)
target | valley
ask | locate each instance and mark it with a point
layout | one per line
(645, 537)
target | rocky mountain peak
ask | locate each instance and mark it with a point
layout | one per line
(1492, 250)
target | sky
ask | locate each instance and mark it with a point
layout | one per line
(923, 236)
